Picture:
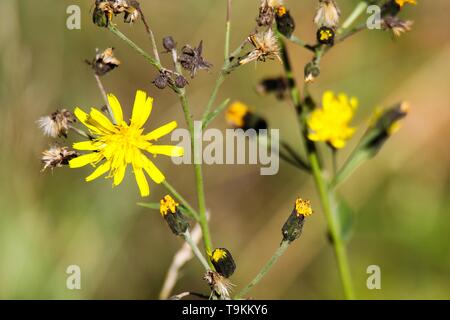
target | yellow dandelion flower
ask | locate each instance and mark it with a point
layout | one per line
(401, 3)
(331, 123)
(115, 146)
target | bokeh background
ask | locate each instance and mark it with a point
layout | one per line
(400, 199)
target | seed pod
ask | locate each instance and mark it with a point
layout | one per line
(169, 44)
(180, 81)
(161, 81)
(223, 262)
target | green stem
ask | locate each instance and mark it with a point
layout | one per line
(228, 30)
(123, 37)
(105, 97)
(195, 250)
(333, 226)
(220, 79)
(203, 221)
(180, 198)
(322, 187)
(281, 249)
(359, 9)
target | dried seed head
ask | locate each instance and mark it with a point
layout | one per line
(223, 261)
(180, 81)
(169, 44)
(104, 62)
(327, 14)
(131, 15)
(56, 157)
(57, 124)
(161, 80)
(266, 14)
(266, 47)
(396, 25)
(191, 59)
(219, 284)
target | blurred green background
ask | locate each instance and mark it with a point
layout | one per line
(50, 221)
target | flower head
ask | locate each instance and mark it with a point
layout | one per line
(293, 227)
(56, 157)
(57, 124)
(219, 284)
(327, 14)
(266, 47)
(303, 207)
(115, 146)
(401, 3)
(104, 62)
(331, 123)
(396, 25)
(223, 261)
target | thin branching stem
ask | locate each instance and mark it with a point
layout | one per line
(281, 249)
(105, 97)
(187, 236)
(321, 184)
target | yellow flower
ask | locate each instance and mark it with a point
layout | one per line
(115, 146)
(331, 122)
(236, 113)
(303, 207)
(401, 3)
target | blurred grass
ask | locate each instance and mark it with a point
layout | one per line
(49, 221)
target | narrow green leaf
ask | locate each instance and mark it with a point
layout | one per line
(149, 205)
(213, 114)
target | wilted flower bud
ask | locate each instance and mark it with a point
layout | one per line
(384, 124)
(266, 14)
(325, 35)
(57, 124)
(180, 81)
(239, 116)
(169, 44)
(174, 218)
(102, 13)
(312, 71)
(57, 156)
(396, 25)
(327, 14)
(278, 86)
(131, 15)
(285, 22)
(292, 228)
(192, 60)
(223, 262)
(104, 62)
(161, 80)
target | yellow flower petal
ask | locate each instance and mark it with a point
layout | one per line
(83, 160)
(161, 131)
(102, 169)
(171, 151)
(155, 174)
(84, 117)
(141, 109)
(141, 182)
(119, 175)
(86, 145)
(115, 107)
(102, 120)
